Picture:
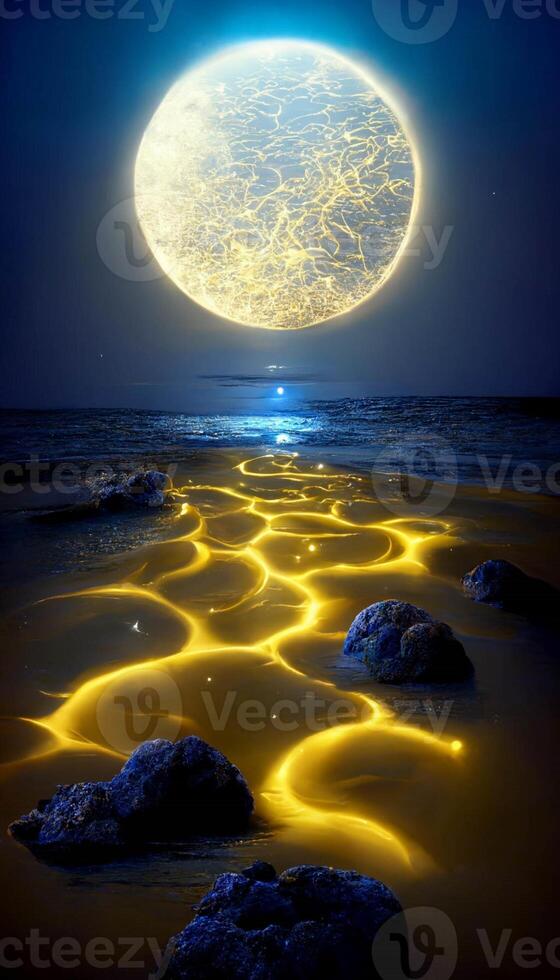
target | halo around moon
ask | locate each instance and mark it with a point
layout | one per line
(275, 185)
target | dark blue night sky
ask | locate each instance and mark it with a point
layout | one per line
(483, 101)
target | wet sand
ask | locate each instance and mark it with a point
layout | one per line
(232, 628)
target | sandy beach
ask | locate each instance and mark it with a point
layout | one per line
(231, 627)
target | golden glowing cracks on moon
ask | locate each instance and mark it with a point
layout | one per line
(275, 185)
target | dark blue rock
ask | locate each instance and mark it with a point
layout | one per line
(309, 922)
(166, 786)
(430, 653)
(260, 871)
(165, 791)
(401, 643)
(499, 583)
(118, 492)
(78, 820)
(216, 948)
(145, 488)
(247, 902)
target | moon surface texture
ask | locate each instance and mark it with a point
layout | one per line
(275, 185)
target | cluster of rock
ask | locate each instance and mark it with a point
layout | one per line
(142, 489)
(145, 488)
(308, 922)
(401, 643)
(165, 791)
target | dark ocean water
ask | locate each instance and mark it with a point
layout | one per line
(479, 435)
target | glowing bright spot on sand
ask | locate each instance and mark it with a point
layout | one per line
(456, 745)
(276, 185)
(312, 547)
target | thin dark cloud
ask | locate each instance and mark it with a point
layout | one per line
(258, 380)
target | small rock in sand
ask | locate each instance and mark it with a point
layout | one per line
(401, 643)
(500, 583)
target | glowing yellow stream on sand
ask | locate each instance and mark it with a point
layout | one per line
(279, 524)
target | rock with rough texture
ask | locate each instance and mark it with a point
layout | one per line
(119, 492)
(146, 488)
(260, 871)
(499, 583)
(401, 643)
(165, 791)
(309, 922)
(166, 786)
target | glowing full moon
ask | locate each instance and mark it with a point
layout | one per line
(275, 185)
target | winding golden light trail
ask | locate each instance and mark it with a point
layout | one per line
(279, 515)
(276, 185)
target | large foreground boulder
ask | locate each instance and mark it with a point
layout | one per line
(165, 791)
(401, 643)
(500, 583)
(309, 922)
